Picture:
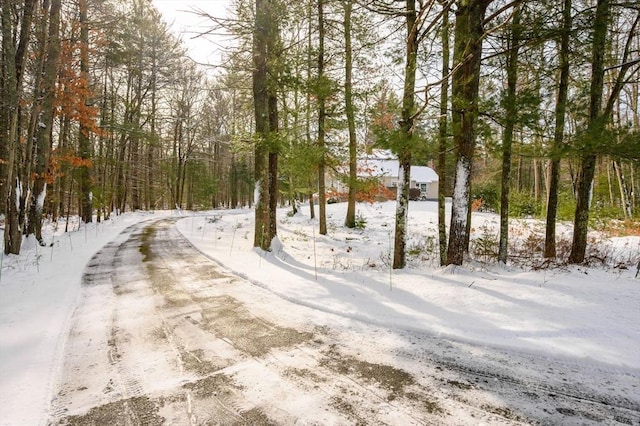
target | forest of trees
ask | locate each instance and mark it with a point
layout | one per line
(525, 108)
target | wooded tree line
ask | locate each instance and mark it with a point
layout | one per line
(102, 112)
(523, 107)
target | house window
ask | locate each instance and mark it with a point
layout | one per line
(424, 187)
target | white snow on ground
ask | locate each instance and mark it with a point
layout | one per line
(587, 315)
(39, 291)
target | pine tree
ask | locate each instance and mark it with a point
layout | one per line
(598, 120)
(350, 220)
(511, 113)
(261, 107)
(407, 123)
(443, 137)
(322, 117)
(84, 141)
(45, 117)
(467, 57)
(14, 56)
(558, 136)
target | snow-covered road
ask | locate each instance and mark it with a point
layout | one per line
(164, 335)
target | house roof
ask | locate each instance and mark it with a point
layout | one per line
(423, 174)
(391, 168)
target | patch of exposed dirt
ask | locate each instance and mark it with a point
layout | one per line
(198, 362)
(206, 272)
(138, 410)
(387, 377)
(304, 373)
(425, 403)
(398, 383)
(505, 412)
(216, 385)
(146, 238)
(459, 385)
(343, 406)
(229, 319)
(255, 417)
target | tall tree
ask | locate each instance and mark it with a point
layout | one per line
(350, 220)
(558, 135)
(322, 117)
(467, 57)
(511, 117)
(595, 128)
(598, 121)
(309, 74)
(84, 141)
(16, 28)
(443, 137)
(45, 117)
(272, 93)
(261, 111)
(405, 145)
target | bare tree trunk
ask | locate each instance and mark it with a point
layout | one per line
(31, 159)
(622, 186)
(634, 189)
(465, 84)
(14, 58)
(442, 140)
(322, 201)
(112, 150)
(511, 113)
(402, 212)
(273, 167)
(536, 179)
(558, 137)
(151, 146)
(11, 91)
(176, 163)
(261, 110)
(63, 182)
(84, 147)
(350, 220)
(595, 127)
(312, 210)
(234, 183)
(274, 50)
(45, 122)
(406, 127)
(183, 180)
(610, 185)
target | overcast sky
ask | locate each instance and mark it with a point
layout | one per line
(186, 24)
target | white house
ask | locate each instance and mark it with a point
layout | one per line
(384, 166)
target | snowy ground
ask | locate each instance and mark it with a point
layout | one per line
(586, 316)
(39, 291)
(591, 314)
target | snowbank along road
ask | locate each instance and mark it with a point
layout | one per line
(164, 335)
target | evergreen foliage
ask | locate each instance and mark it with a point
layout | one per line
(103, 112)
